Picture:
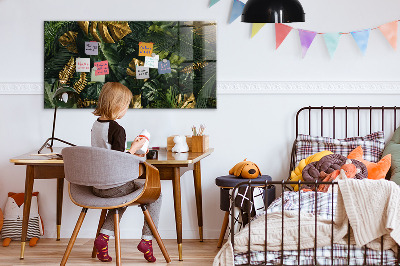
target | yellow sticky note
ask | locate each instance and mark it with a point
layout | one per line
(145, 48)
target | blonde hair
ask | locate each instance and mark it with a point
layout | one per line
(113, 98)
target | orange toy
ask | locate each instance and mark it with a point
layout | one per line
(375, 170)
(245, 169)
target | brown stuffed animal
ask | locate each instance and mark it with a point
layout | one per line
(245, 169)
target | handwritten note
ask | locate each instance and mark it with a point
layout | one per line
(145, 48)
(164, 67)
(83, 65)
(142, 72)
(151, 61)
(94, 78)
(102, 68)
(91, 48)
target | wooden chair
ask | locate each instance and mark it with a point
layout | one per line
(85, 167)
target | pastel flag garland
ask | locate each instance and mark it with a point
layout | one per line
(306, 39)
(256, 28)
(389, 30)
(237, 9)
(332, 41)
(361, 37)
(213, 2)
(281, 31)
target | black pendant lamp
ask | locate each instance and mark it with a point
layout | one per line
(273, 11)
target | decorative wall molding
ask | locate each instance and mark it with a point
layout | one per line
(260, 87)
(309, 87)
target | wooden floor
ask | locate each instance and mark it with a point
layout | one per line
(50, 252)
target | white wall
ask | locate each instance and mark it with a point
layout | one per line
(258, 126)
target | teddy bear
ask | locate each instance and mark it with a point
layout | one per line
(180, 144)
(245, 169)
(13, 215)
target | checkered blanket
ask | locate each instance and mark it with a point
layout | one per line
(323, 205)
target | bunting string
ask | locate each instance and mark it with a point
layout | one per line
(361, 37)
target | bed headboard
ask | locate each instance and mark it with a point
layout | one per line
(344, 121)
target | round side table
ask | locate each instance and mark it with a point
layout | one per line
(228, 182)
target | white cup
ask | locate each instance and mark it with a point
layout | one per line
(144, 134)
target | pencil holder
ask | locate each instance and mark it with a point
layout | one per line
(200, 143)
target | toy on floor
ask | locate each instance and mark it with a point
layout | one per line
(180, 144)
(245, 169)
(13, 215)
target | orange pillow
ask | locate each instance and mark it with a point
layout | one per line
(375, 170)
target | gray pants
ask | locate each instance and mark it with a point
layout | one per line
(153, 208)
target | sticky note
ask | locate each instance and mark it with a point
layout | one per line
(91, 48)
(102, 68)
(164, 67)
(94, 78)
(142, 72)
(83, 65)
(151, 61)
(145, 48)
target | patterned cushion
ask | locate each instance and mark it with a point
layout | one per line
(372, 144)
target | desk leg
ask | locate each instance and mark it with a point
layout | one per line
(199, 204)
(176, 183)
(60, 190)
(27, 206)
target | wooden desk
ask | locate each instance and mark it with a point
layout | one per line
(171, 167)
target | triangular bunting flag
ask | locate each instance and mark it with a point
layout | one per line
(281, 31)
(389, 30)
(237, 9)
(361, 37)
(255, 28)
(213, 2)
(332, 41)
(306, 39)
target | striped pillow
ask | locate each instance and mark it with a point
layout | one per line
(372, 145)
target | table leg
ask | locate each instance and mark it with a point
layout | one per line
(176, 183)
(27, 206)
(60, 190)
(199, 204)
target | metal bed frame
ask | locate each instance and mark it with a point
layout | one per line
(284, 184)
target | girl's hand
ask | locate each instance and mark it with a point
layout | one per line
(142, 155)
(137, 144)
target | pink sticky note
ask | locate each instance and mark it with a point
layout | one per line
(102, 68)
(145, 48)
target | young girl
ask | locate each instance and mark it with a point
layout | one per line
(113, 103)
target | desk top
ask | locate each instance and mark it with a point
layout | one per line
(164, 157)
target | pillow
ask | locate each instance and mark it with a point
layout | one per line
(393, 148)
(375, 170)
(372, 144)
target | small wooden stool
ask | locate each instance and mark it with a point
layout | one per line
(226, 183)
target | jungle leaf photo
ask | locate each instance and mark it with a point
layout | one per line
(166, 64)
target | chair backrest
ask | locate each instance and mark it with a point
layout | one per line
(92, 166)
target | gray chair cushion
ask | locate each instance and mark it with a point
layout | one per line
(84, 196)
(99, 167)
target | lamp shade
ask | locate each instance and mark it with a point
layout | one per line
(64, 96)
(273, 11)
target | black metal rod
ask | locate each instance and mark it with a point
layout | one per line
(266, 220)
(298, 226)
(283, 210)
(334, 121)
(315, 222)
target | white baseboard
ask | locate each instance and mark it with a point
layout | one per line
(259, 87)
